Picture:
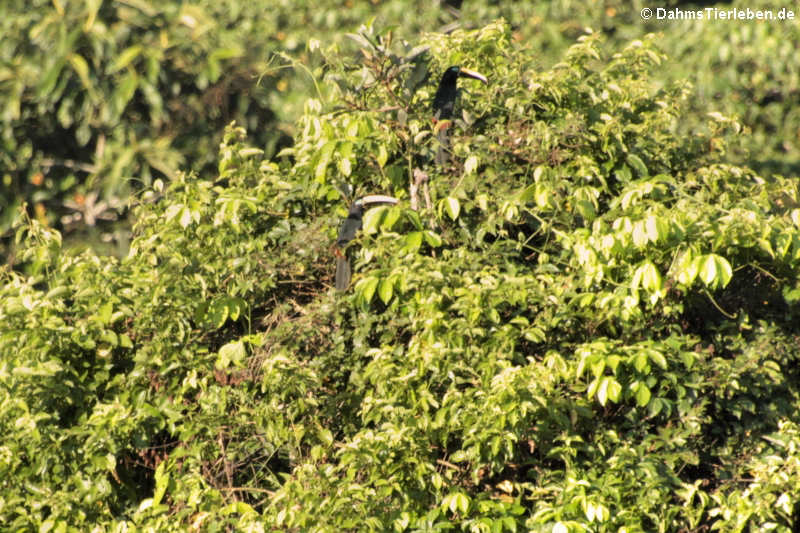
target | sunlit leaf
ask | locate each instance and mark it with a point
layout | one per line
(385, 290)
(452, 206)
(471, 164)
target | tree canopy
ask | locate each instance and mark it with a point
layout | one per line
(592, 327)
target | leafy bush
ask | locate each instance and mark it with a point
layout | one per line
(748, 70)
(100, 98)
(591, 327)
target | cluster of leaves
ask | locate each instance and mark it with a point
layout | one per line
(101, 98)
(748, 70)
(95, 93)
(589, 325)
(104, 361)
(579, 243)
(744, 68)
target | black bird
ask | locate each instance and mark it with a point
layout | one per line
(347, 232)
(444, 103)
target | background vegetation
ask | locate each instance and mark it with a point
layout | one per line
(592, 327)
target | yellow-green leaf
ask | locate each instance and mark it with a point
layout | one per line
(366, 288)
(637, 164)
(642, 395)
(413, 241)
(433, 239)
(125, 58)
(385, 290)
(452, 206)
(383, 156)
(373, 219)
(471, 164)
(81, 68)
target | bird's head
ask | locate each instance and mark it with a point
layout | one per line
(461, 72)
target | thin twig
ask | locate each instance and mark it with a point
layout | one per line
(248, 489)
(721, 310)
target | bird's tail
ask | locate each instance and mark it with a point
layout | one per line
(444, 144)
(343, 273)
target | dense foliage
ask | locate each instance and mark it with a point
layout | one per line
(592, 326)
(101, 97)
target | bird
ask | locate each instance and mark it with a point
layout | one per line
(444, 103)
(347, 232)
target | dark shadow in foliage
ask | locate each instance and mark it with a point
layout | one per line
(135, 470)
(750, 292)
(770, 167)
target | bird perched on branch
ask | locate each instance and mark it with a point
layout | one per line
(347, 233)
(444, 103)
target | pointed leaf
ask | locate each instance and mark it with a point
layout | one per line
(708, 270)
(433, 239)
(373, 219)
(385, 290)
(366, 288)
(471, 164)
(382, 156)
(125, 58)
(452, 206)
(642, 395)
(413, 241)
(637, 164)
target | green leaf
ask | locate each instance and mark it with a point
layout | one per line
(161, 481)
(642, 395)
(652, 228)
(125, 58)
(725, 271)
(325, 155)
(602, 390)
(413, 217)
(231, 353)
(80, 66)
(345, 166)
(658, 358)
(456, 502)
(471, 164)
(651, 278)
(385, 290)
(413, 241)
(383, 156)
(688, 265)
(452, 206)
(640, 362)
(638, 165)
(104, 313)
(640, 235)
(614, 390)
(218, 312)
(708, 269)
(373, 219)
(366, 288)
(125, 341)
(433, 239)
(124, 91)
(186, 217)
(392, 216)
(715, 271)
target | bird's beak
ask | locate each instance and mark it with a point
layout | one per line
(377, 199)
(467, 73)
